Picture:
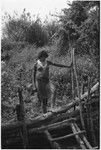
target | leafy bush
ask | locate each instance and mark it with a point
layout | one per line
(81, 22)
(23, 29)
(35, 34)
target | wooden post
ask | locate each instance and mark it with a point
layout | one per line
(24, 128)
(72, 79)
(90, 115)
(88, 105)
(78, 91)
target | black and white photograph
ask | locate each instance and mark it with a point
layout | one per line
(50, 74)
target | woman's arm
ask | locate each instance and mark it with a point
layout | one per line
(59, 65)
(34, 76)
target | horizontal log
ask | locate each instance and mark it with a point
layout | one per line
(93, 89)
(40, 120)
(68, 136)
(66, 115)
(55, 119)
(76, 101)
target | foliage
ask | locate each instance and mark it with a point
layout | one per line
(51, 28)
(81, 24)
(23, 29)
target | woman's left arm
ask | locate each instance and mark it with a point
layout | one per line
(59, 65)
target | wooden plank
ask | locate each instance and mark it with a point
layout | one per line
(53, 144)
(67, 136)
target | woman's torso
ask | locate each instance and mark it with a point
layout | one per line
(42, 71)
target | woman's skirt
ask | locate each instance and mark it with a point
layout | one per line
(44, 89)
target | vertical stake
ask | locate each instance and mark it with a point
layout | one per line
(78, 91)
(24, 128)
(72, 79)
(89, 110)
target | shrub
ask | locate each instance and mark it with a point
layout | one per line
(23, 29)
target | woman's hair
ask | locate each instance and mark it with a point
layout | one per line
(42, 54)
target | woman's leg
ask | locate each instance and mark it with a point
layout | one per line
(44, 105)
(39, 99)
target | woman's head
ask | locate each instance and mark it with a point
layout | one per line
(42, 54)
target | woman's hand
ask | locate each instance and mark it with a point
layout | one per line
(71, 64)
(35, 89)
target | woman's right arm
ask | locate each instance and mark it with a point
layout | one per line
(34, 76)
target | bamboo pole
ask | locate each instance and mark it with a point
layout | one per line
(24, 128)
(78, 91)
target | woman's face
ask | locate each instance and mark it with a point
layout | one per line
(43, 58)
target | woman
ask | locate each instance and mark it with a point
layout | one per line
(41, 78)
